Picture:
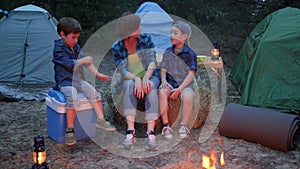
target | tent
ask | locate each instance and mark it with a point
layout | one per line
(267, 68)
(26, 46)
(156, 22)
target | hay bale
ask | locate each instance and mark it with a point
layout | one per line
(201, 104)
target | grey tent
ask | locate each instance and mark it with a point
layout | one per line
(26, 46)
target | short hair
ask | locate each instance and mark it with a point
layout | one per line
(127, 24)
(184, 28)
(68, 25)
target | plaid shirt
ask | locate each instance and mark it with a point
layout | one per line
(145, 51)
(178, 65)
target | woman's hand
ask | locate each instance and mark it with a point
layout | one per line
(147, 86)
(138, 88)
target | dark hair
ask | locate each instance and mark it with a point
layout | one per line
(68, 25)
(127, 24)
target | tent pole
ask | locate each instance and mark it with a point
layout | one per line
(22, 76)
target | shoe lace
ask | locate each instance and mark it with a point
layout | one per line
(184, 130)
(166, 130)
(130, 134)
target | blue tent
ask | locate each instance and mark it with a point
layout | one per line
(155, 21)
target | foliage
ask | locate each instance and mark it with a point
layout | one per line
(219, 19)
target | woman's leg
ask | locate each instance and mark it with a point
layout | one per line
(130, 103)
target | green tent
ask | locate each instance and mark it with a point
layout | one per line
(267, 69)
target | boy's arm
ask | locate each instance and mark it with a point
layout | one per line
(176, 92)
(163, 76)
(95, 72)
(85, 60)
(188, 79)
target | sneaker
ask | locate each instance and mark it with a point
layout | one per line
(129, 140)
(167, 132)
(151, 142)
(183, 131)
(103, 124)
(70, 138)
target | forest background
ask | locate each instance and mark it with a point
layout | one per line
(226, 21)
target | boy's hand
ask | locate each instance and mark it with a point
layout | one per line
(102, 77)
(87, 60)
(175, 93)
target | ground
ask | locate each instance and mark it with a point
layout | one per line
(21, 121)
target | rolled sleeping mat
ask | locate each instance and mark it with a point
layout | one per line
(271, 128)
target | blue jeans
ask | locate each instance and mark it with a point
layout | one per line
(151, 99)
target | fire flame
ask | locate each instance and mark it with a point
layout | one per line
(210, 162)
(222, 161)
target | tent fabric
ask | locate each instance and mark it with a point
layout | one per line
(271, 128)
(156, 22)
(26, 46)
(267, 68)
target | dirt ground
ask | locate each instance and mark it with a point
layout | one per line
(21, 121)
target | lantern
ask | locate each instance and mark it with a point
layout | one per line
(215, 51)
(39, 154)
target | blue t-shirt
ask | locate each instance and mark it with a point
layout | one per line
(179, 65)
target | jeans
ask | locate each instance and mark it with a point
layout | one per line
(151, 99)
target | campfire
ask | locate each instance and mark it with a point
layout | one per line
(210, 162)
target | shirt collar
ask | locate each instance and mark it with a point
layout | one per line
(184, 49)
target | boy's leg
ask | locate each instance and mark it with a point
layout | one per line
(163, 104)
(101, 122)
(95, 99)
(70, 138)
(70, 94)
(187, 107)
(71, 113)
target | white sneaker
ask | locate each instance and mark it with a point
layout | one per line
(167, 132)
(151, 142)
(129, 140)
(183, 132)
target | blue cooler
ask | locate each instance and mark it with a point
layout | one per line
(85, 120)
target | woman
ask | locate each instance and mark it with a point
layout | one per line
(136, 61)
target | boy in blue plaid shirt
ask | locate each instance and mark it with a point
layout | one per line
(178, 67)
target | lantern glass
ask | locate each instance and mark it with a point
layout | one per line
(39, 157)
(215, 52)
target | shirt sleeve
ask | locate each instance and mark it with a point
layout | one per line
(151, 51)
(62, 58)
(193, 61)
(120, 59)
